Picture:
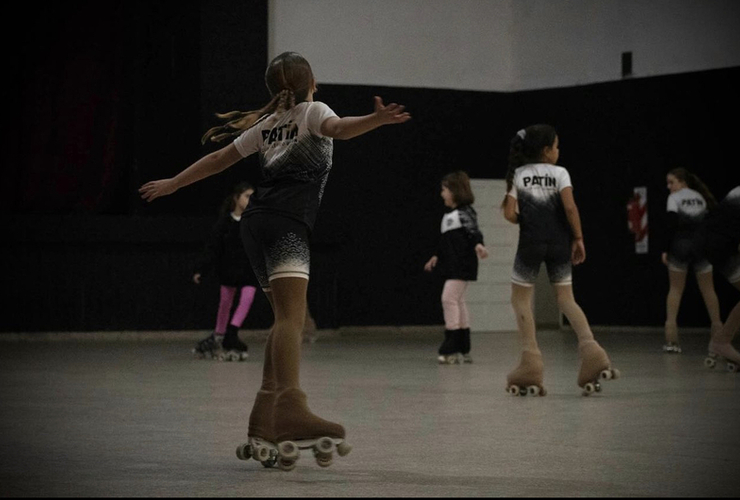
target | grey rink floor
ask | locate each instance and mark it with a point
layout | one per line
(145, 419)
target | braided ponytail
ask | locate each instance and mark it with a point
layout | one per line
(288, 78)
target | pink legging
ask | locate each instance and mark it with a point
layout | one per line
(224, 307)
(453, 305)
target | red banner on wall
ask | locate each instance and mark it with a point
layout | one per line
(637, 219)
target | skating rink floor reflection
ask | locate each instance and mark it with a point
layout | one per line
(143, 418)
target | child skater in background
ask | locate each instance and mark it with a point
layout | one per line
(539, 197)
(460, 247)
(688, 203)
(225, 252)
(293, 136)
(721, 237)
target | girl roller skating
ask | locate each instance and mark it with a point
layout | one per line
(293, 136)
(456, 260)
(237, 284)
(539, 197)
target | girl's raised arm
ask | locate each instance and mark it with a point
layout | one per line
(211, 164)
(353, 126)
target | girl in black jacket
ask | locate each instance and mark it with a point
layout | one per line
(460, 247)
(225, 254)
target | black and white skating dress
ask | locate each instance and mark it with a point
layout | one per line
(544, 232)
(456, 255)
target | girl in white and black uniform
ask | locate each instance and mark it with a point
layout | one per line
(293, 136)
(687, 206)
(539, 197)
(456, 260)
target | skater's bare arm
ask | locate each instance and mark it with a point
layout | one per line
(431, 264)
(353, 126)
(211, 164)
(578, 253)
(571, 212)
(510, 210)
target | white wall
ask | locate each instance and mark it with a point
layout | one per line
(489, 298)
(503, 45)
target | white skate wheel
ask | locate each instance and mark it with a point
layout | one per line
(286, 465)
(607, 374)
(513, 390)
(533, 390)
(325, 446)
(243, 451)
(343, 448)
(710, 363)
(324, 460)
(731, 367)
(616, 373)
(589, 388)
(288, 450)
(261, 453)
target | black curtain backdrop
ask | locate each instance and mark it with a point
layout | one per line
(109, 96)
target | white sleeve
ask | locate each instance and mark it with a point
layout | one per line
(672, 204)
(249, 141)
(564, 179)
(315, 116)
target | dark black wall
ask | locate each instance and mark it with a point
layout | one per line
(77, 260)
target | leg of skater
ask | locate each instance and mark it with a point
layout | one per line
(676, 285)
(721, 343)
(527, 377)
(450, 350)
(465, 326)
(212, 345)
(593, 357)
(235, 348)
(705, 280)
(293, 421)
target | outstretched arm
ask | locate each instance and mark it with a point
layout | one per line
(578, 250)
(510, 209)
(353, 126)
(210, 164)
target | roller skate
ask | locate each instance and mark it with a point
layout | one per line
(296, 429)
(595, 366)
(209, 347)
(260, 443)
(465, 350)
(722, 352)
(671, 345)
(449, 351)
(672, 348)
(526, 379)
(232, 349)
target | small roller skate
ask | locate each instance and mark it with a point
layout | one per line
(465, 349)
(449, 351)
(296, 429)
(526, 379)
(209, 347)
(233, 349)
(722, 352)
(595, 366)
(672, 348)
(671, 345)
